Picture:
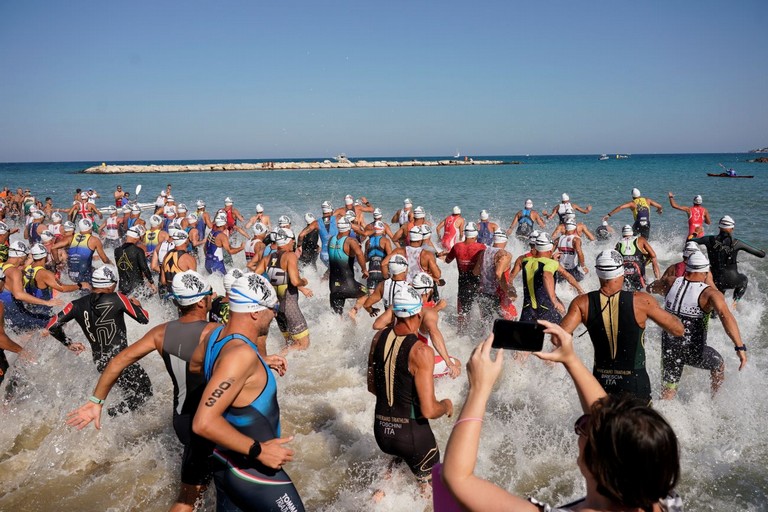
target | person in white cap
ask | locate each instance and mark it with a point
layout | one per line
(81, 250)
(405, 214)
(203, 219)
(83, 209)
(450, 229)
(524, 220)
(466, 253)
(565, 207)
(215, 244)
(604, 231)
(723, 251)
(571, 257)
(35, 227)
(396, 272)
(485, 229)
(233, 216)
(260, 217)
(343, 251)
(160, 202)
(175, 341)
(402, 237)
(636, 251)
(358, 207)
(6, 343)
(109, 231)
(282, 269)
(378, 216)
(176, 260)
(494, 270)
(326, 229)
(692, 300)
(131, 262)
(697, 215)
(616, 319)
(189, 224)
(377, 248)
(309, 245)
(540, 302)
(581, 229)
(419, 259)
(641, 211)
(101, 317)
(677, 270)
(5, 235)
(400, 375)
(255, 247)
(239, 410)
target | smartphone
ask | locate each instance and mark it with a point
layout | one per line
(526, 336)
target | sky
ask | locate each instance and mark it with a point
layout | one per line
(164, 80)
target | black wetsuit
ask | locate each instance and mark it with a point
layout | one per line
(101, 317)
(537, 305)
(131, 267)
(723, 250)
(310, 250)
(243, 484)
(179, 342)
(342, 275)
(399, 426)
(619, 344)
(219, 312)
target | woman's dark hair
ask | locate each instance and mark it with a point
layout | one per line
(631, 451)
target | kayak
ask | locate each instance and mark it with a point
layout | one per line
(724, 175)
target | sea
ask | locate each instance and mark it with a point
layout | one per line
(527, 446)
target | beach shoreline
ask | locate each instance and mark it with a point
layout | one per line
(283, 166)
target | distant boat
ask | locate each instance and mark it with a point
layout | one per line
(457, 155)
(621, 157)
(603, 157)
(726, 175)
(341, 157)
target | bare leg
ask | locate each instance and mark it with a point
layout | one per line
(190, 497)
(668, 393)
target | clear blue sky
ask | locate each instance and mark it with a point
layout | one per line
(267, 79)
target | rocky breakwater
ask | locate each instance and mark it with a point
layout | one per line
(282, 166)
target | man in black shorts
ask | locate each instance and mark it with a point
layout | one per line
(175, 341)
(101, 316)
(132, 265)
(400, 374)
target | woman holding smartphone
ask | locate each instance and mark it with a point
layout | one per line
(628, 453)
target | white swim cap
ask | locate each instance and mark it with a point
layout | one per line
(141, 229)
(284, 221)
(350, 215)
(228, 200)
(84, 225)
(397, 264)
(533, 236)
(690, 248)
(175, 224)
(377, 213)
(169, 210)
(251, 293)
(133, 232)
(259, 229)
(499, 237)
(697, 262)
(326, 207)
(179, 237)
(543, 242)
(726, 223)
(635, 193)
(220, 220)
(348, 199)
(170, 199)
(569, 216)
(38, 252)
(135, 208)
(627, 230)
(605, 223)
(69, 226)
(565, 197)
(189, 288)
(104, 277)
(309, 218)
(283, 236)
(470, 230)
(456, 210)
(56, 217)
(155, 221)
(18, 249)
(426, 230)
(83, 195)
(192, 218)
(406, 302)
(418, 213)
(37, 214)
(570, 225)
(483, 215)
(423, 282)
(378, 227)
(528, 204)
(181, 207)
(259, 208)
(111, 210)
(609, 264)
(343, 224)
(4, 228)
(697, 200)
(46, 236)
(414, 234)
(407, 202)
(200, 204)
(230, 277)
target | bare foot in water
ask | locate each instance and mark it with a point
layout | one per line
(377, 496)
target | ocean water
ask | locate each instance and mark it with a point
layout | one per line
(527, 446)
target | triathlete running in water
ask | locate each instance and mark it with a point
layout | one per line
(697, 215)
(342, 253)
(641, 210)
(524, 220)
(452, 226)
(636, 252)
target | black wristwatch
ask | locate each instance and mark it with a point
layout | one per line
(742, 348)
(254, 451)
(79, 286)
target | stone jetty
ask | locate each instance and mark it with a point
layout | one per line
(284, 166)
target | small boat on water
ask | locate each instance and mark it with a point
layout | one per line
(604, 157)
(726, 175)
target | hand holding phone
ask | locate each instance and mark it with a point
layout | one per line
(525, 336)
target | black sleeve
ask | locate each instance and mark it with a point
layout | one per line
(142, 263)
(741, 246)
(56, 325)
(138, 313)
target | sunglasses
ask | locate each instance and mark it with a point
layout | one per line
(581, 424)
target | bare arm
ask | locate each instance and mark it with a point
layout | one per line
(225, 244)
(648, 307)
(421, 363)
(652, 255)
(571, 280)
(676, 206)
(430, 324)
(716, 301)
(99, 248)
(630, 205)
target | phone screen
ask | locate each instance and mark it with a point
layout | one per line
(526, 336)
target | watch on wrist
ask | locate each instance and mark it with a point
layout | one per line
(254, 451)
(741, 348)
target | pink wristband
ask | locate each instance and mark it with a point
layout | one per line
(462, 420)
